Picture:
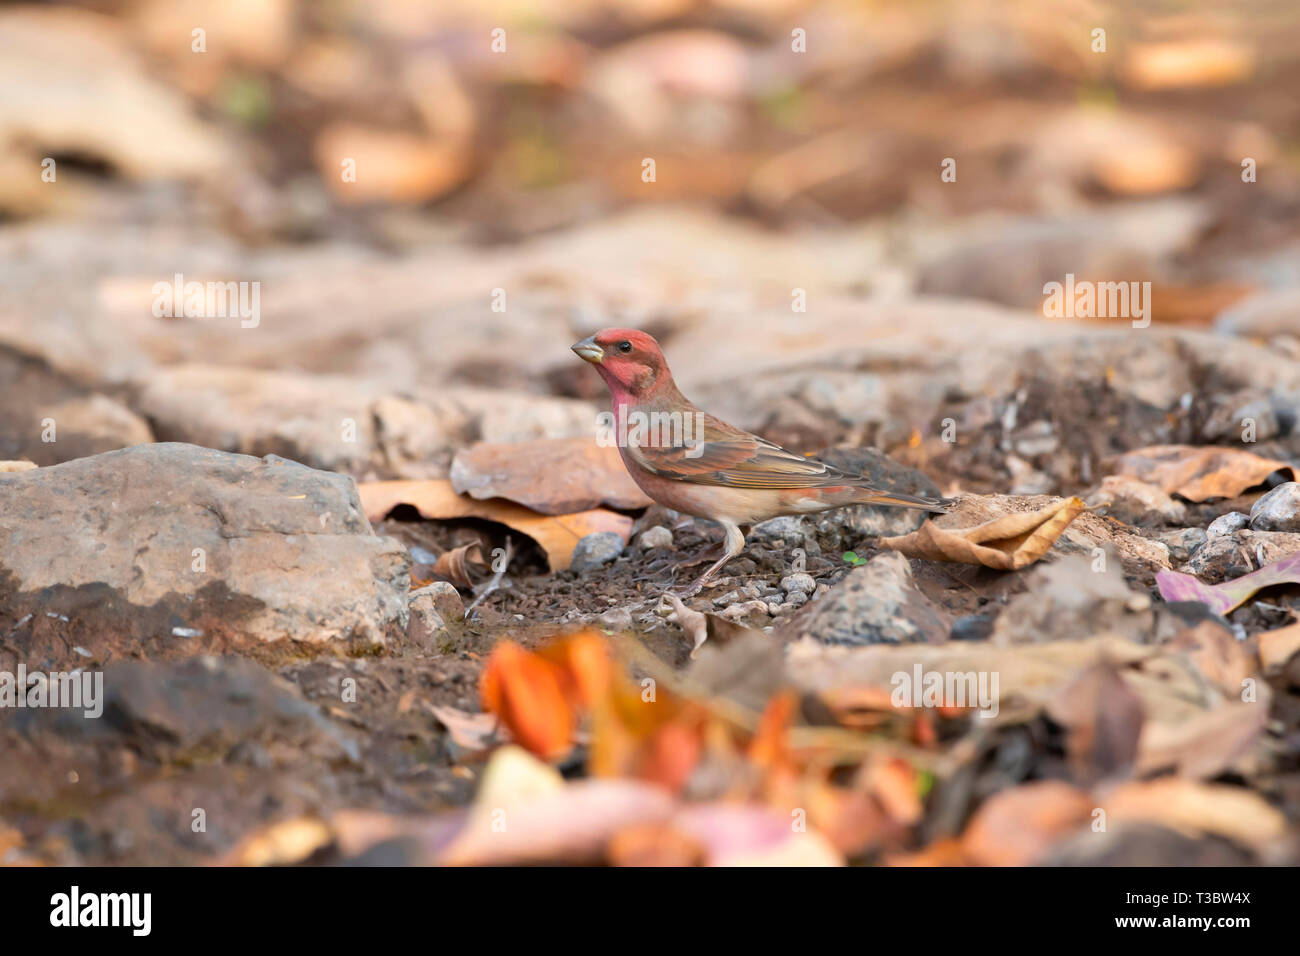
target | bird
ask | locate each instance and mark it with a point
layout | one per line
(691, 462)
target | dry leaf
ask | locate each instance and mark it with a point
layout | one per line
(1277, 647)
(437, 499)
(1007, 543)
(527, 695)
(454, 564)
(1193, 807)
(1017, 827)
(1103, 719)
(701, 626)
(473, 732)
(1199, 473)
(1225, 597)
(1186, 64)
(551, 475)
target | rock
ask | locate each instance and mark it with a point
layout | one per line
(800, 582)
(1278, 510)
(446, 599)
(203, 707)
(1182, 542)
(169, 548)
(748, 613)
(876, 603)
(425, 621)
(1226, 556)
(1135, 502)
(1227, 524)
(616, 619)
(656, 537)
(971, 627)
(1234, 414)
(50, 419)
(787, 531)
(1069, 599)
(595, 550)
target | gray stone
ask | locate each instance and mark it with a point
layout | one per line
(876, 603)
(1182, 542)
(656, 537)
(1227, 524)
(595, 551)
(799, 581)
(1227, 556)
(1278, 510)
(616, 619)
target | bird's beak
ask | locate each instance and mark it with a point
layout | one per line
(588, 350)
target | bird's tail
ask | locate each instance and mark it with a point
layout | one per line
(873, 496)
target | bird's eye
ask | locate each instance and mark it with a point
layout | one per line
(625, 346)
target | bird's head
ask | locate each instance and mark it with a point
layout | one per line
(629, 361)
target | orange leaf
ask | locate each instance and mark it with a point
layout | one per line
(436, 499)
(526, 694)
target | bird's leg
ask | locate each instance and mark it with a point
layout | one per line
(733, 544)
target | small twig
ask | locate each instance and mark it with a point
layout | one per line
(496, 579)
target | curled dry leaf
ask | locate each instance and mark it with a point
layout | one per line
(1199, 473)
(554, 476)
(454, 564)
(435, 498)
(1225, 597)
(701, 626)
(472, 732)
(1007, 543)
(1277, 647)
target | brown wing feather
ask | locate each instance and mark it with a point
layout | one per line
(730, 457)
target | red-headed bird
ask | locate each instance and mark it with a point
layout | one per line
(691, 462)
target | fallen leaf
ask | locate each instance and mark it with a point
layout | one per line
(1218, 655)
(1007, 543)
(1017, 827)
(390, 165)
(473, 732)
(1199, 473)
(1191, 806)
(1103, 719)
(436, 499)
(701, 626)
(1223, 598)
(524, 812)
(1185, 64)
(1277, 647)
(527, 694)
(554, 476)
(454, 564)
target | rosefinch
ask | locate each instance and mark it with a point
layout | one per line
(691, 462)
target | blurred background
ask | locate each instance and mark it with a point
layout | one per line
(437, 196)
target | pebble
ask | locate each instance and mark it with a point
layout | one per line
(656, 537)
(1227, 524)
(446, 599)
(595, 550)
(1279, 510)
(800, 581)
(748, 613)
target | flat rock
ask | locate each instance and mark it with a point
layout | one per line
(1227, 556)
(1074, 598)
(172, 549)
(1135, 502)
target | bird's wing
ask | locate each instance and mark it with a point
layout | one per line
(723, 455)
